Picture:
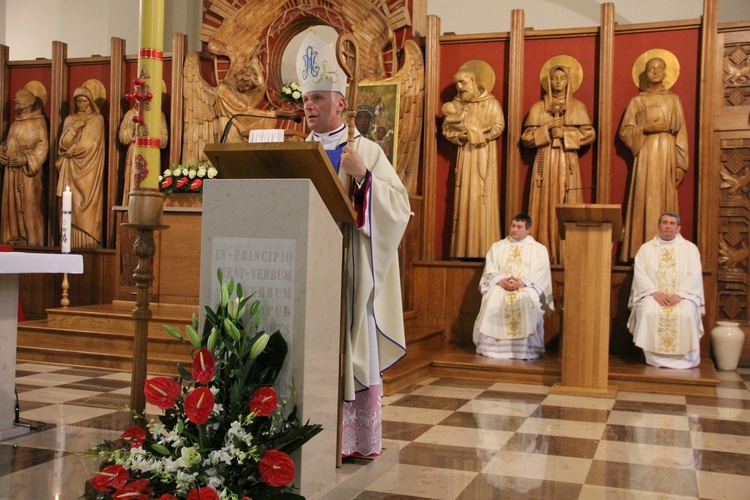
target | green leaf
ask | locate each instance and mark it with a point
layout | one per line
(211, 320)
(195, 339)
(161, 449)
(186, 375)
(235, 397)
(268, 364)
(173, 332)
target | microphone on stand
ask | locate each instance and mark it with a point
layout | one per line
(565, 198)
(228, 126)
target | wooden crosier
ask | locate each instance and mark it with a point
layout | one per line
(346, 54)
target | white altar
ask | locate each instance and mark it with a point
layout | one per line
(11, 265)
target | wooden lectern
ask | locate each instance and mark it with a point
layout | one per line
(284, 160)
(270, 223)
(588, 231)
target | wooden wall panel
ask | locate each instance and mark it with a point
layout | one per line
(115, 154)
(58, 95)
(429, 132)
(498, 49)
(409, 251)
(603, 119)
(728, 238)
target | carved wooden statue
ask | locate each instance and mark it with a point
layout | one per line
(557, 126)
(127, 134)
(22, 156)
(653, 127)
(80, 163)
(208, 109)
(474, 121)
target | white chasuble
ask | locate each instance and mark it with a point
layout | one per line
(671, 268)
(516, 315)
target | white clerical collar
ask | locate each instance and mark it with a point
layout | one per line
(516, 242)
(673, 241)
(330, 139)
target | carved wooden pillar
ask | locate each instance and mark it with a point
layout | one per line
(604, 122)
(58, 95)
(431, 99)
(4, 90)
(708, 167)
(729, 177)
(144, 276)
(116, 92)
(514, 123)
(179, 50)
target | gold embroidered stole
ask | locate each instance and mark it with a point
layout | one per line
(513, 315)
(666, 282)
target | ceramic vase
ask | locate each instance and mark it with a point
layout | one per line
(727, 339)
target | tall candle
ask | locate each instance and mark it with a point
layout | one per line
(67, 208)
(148, 92)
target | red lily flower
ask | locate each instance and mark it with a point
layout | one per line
(137, 490)
(136, 436)
(166, 183)
(276, 468)
(196, 184)
(264, 401)
(110, 478)
(205, 493)
(204, 366)
(199, 404)
(161, 392)
(167, 496)
(181, 182)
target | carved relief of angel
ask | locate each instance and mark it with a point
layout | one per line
(208, 109)
(254, 26)
(408, 135)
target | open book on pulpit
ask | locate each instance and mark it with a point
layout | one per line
(284, 160)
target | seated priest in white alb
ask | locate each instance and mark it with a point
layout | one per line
(516, 291)
(666, 300)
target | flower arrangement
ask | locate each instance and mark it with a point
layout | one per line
(225, 433)
(186, 178)
(292, 92)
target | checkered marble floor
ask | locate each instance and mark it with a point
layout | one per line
(458, 439)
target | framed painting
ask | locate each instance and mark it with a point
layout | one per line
(377, 115)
